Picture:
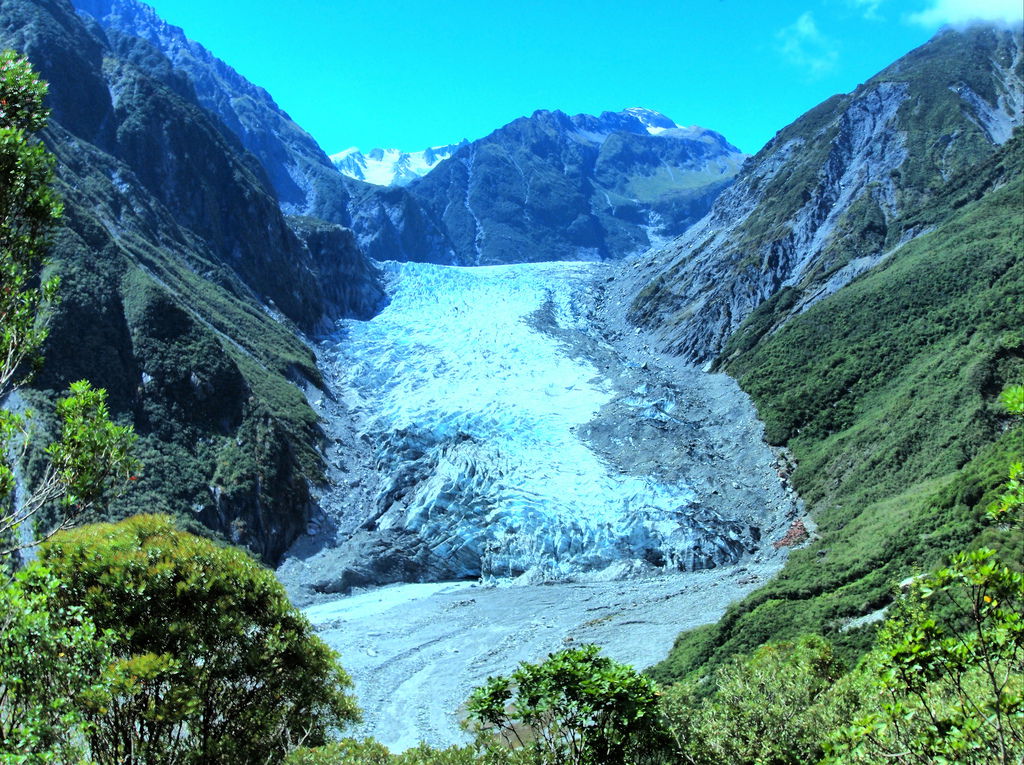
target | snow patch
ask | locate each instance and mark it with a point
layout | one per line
(391, 167)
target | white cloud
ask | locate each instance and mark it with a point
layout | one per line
(803, 44)
(869, 8)
(964, 11)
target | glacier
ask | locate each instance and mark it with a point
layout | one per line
(504, 439)
(513, 471)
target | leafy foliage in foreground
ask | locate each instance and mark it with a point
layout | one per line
(953, 686)
(29, 209)
(575, 707)
(211, 661)
(944, 684)
(51, 664)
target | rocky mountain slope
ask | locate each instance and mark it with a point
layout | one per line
(828, 198)
(392, 167)
(545, 187)
(555, 187)
(184, 285)
(863, 281)
(302, 176)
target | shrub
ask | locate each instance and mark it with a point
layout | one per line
(575, 707)
(949, 669)
(51, 662)
(212, 663)
(775, 706)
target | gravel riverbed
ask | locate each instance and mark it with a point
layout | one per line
(416, 651)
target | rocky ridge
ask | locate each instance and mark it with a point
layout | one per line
(545, 187)
(823, 202)
(302, 176)
(184, 286)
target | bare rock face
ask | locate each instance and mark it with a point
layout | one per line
(302, 176)
(823, 201)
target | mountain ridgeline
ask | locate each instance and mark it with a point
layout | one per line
(544, 187)
(555, 187)
(301, 175)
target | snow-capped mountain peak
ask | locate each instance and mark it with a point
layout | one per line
(391, 167)
(636, 120)
(655, 122)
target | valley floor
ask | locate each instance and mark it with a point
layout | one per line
(416, 651)
(521, 472)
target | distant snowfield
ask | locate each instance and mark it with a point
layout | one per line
(391, 167)
(510, 444)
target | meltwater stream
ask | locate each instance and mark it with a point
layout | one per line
(517, 476)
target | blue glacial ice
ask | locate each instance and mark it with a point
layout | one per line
(473, 412)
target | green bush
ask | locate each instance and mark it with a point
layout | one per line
(575, 707)
(949, 670)
(211, 661)
(51, 663)
(776, 706)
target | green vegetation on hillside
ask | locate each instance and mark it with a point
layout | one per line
(886, 395)
(203, 374)
(175, 277)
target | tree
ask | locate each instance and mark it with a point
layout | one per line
(212, 663)
(575, 707)
(51, 656)
(93, 455)
(950, 671)
(51, 664)
(29, 209)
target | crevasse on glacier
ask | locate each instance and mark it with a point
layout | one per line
(473, 411)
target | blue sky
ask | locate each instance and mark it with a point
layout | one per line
(409, 74)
